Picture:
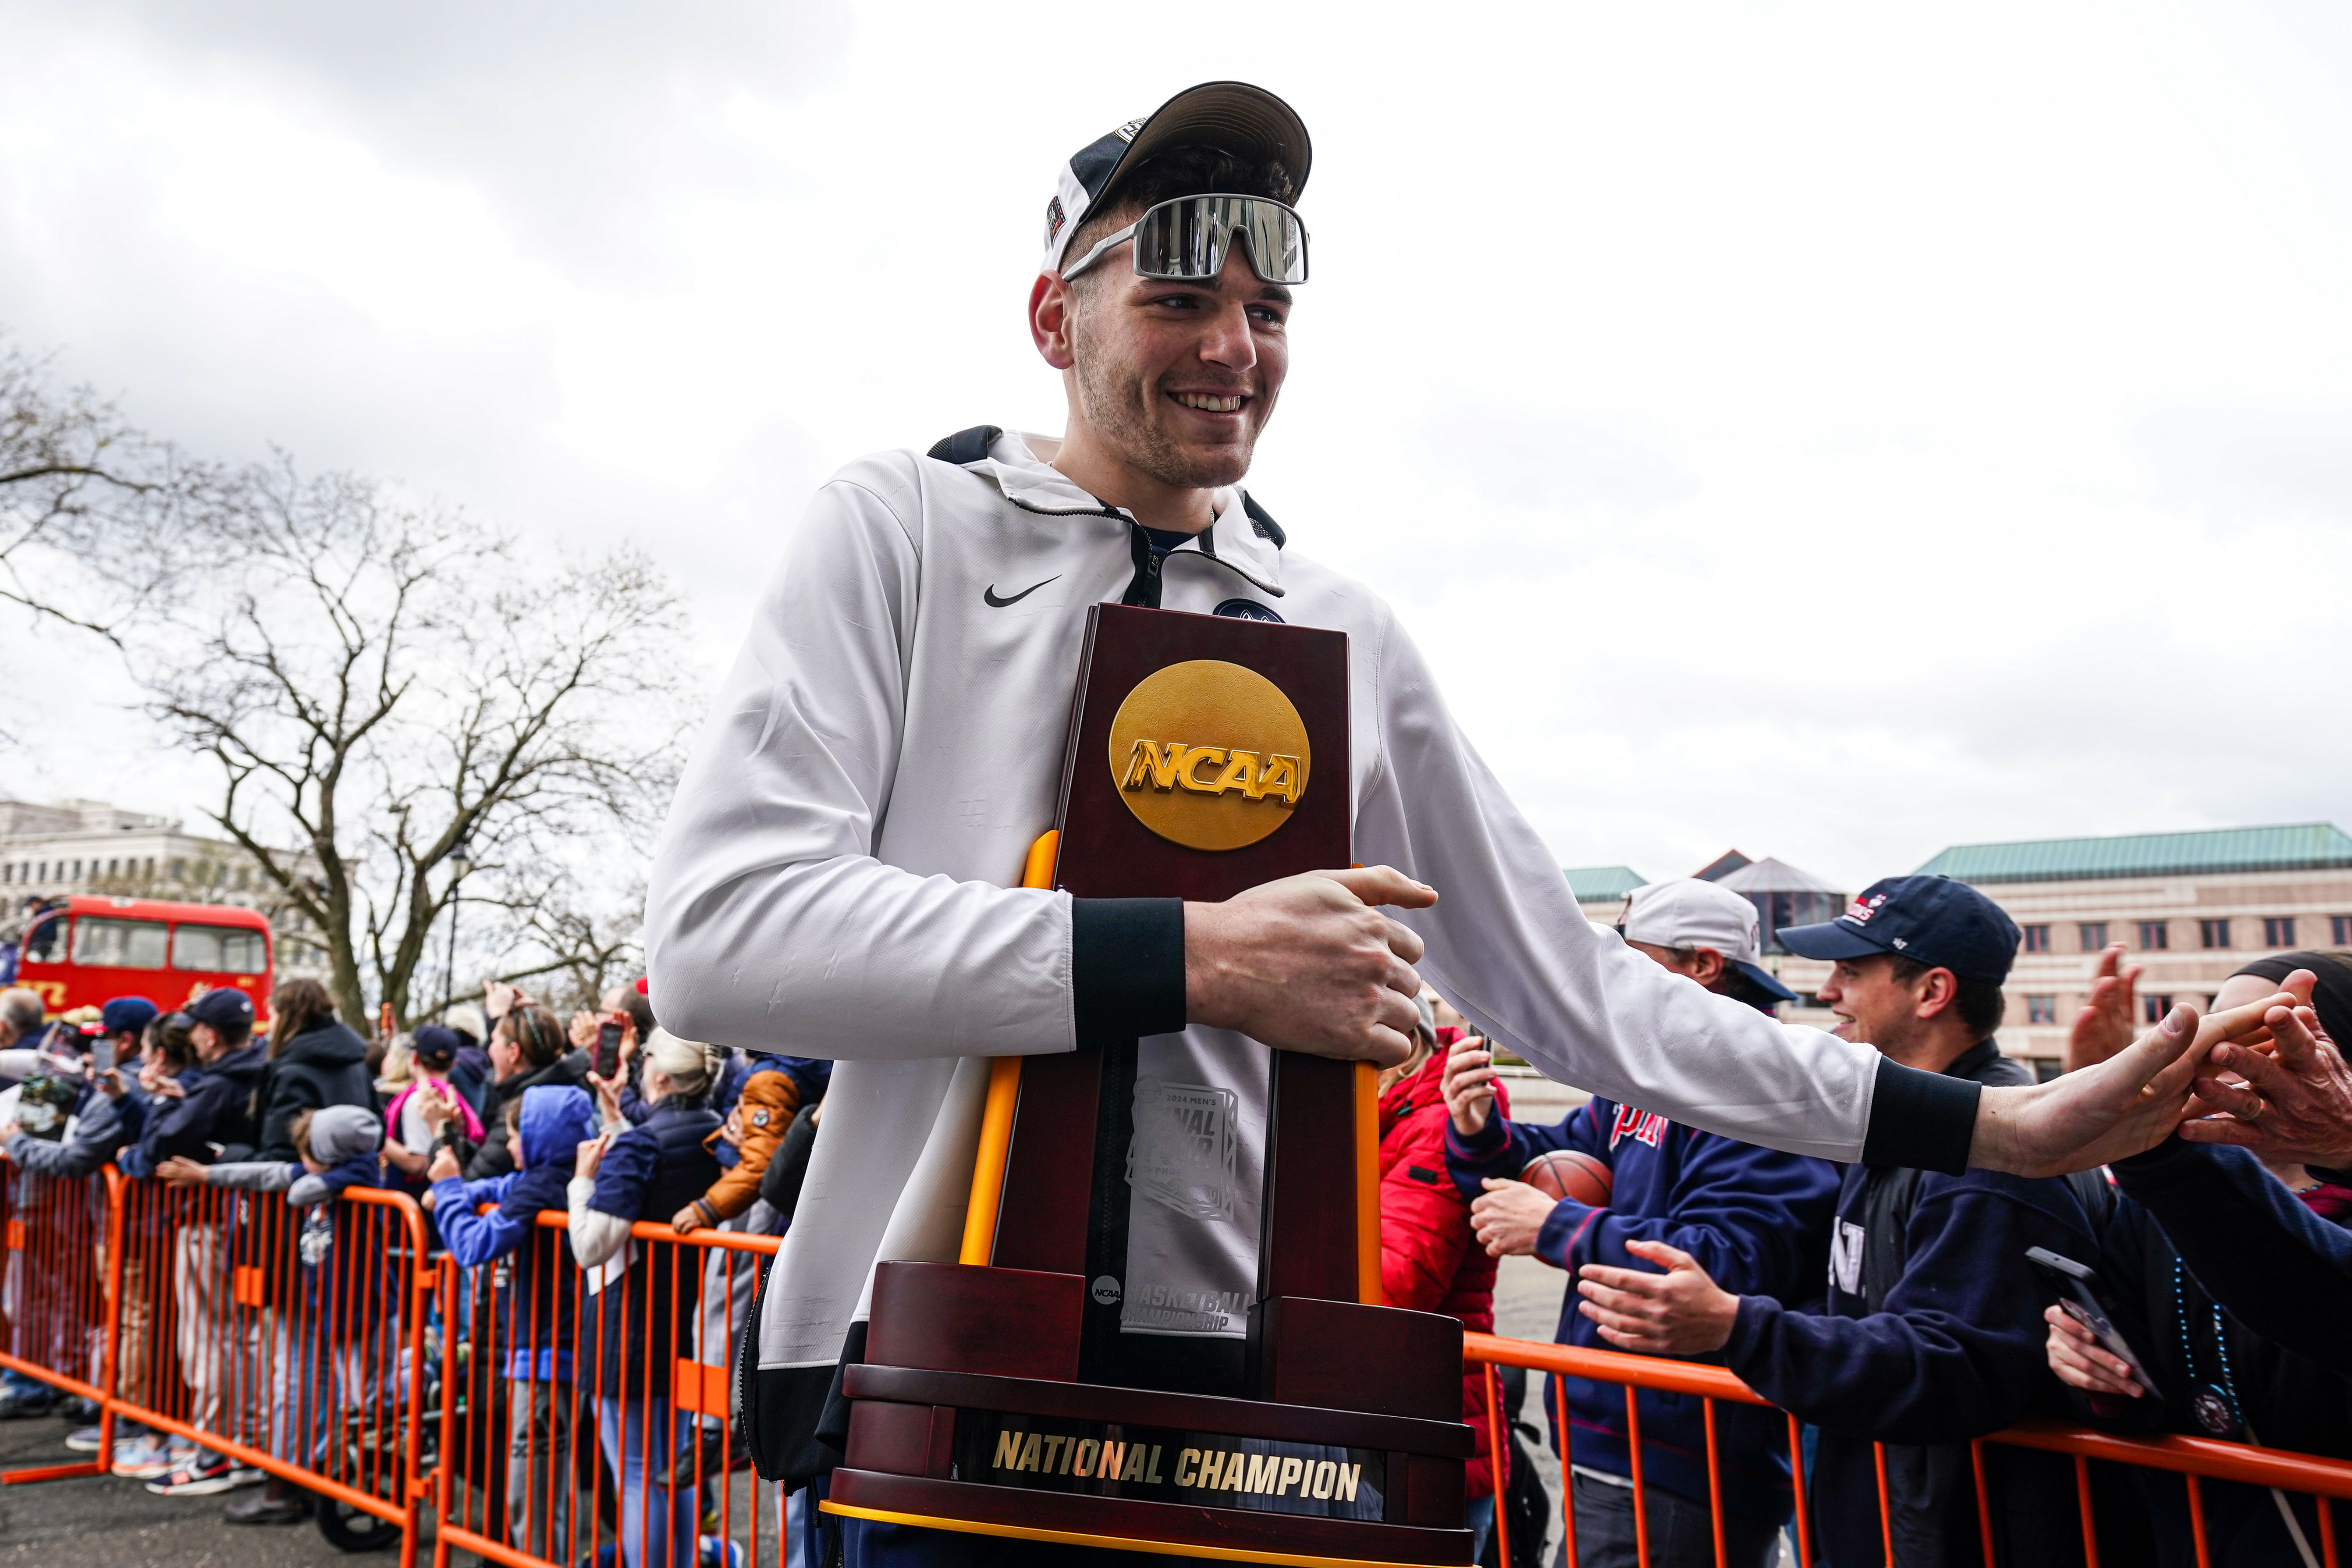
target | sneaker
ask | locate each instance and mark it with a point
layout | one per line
(85, 1440)
(146, 1459)
(201, 1477)
(717, 1552)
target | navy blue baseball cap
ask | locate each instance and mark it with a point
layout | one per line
(127, 1012)
(225, 1008)
(1933, 920)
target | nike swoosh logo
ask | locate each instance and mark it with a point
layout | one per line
(989, 593)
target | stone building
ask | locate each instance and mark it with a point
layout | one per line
(2189, 907)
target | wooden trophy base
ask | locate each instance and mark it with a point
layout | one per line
(966, 1415)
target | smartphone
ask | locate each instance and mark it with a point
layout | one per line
(608, 1048)
(102, 1055)
(2079, 1298)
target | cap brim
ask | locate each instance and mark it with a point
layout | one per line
(1765, 979)
(1828, 940)
(1243, 120)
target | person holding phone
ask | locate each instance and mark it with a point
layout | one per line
(2212, 1376)
(528, 1048)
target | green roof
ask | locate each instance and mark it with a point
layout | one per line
(1588, 882)
(2297, 846)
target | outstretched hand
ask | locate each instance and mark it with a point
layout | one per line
(2295, 1106)
(1682, 1313)
(2130, 1102)
(1310, 963)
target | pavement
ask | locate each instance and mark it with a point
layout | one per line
(103, 1522)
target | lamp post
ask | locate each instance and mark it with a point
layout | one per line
(461, 864)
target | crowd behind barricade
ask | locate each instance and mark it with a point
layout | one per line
(566, 1328)
(1896, 1315)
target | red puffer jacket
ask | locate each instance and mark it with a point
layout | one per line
(1429, 1261)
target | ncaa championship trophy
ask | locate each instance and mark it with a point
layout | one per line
(1057, 1384)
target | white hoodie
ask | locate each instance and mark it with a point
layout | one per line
(836, 877)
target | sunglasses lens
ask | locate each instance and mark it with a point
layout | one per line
(1187, 238)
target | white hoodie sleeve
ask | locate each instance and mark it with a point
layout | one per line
(770, 922)
(1508, 946)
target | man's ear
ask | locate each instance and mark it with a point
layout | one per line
(1710, 967)
(1050, 310)
(1938, 990)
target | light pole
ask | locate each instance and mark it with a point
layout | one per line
(461, 863)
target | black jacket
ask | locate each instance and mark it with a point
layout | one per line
(320, 1067)
(218, 1111)
(1932, 1335)
(2215, 1377)
(492, 1159)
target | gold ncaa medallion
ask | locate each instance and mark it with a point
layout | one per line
(1209, 755)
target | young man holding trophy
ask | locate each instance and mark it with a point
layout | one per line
(842, 871)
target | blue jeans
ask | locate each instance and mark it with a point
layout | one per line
(624, 1429)
(1478, 1518)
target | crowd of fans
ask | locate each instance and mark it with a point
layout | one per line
(490, 1118)
(1876, 1305)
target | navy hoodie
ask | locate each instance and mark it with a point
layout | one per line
(1954, 1351)
(2278, 1268)
(1755, 1219)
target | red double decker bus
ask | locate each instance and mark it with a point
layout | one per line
(85, 950)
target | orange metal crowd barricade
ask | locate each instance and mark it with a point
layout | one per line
(58, 1286)
(2194, 1459)
(571, 1393)
(291, 1339)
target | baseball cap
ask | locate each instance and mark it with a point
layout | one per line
(435, 1042)
(225, 1008)
(1243, 120)
(1684, 911)
(132, 1013)
(1933, 920)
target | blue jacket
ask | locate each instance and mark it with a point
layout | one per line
(1755, 1219)
(645, 1321)
(554, 1121)
(1949, 1347)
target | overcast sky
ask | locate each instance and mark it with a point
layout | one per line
(1837, 431)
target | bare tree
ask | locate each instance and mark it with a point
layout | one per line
(388, 685)
(93, 512)
(392, 693)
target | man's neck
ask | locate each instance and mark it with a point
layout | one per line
(1933, 1051)
(1094, 467)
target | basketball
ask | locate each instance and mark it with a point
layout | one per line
(1565, 1174)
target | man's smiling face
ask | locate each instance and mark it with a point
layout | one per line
(1179, 377)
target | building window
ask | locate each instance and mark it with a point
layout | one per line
(2042, 1009)
(2278, 931)
(2093, 934)
(2339, 930)
(2154, 936)
(2152, 1009)
(2212, 933)
(2037, 939)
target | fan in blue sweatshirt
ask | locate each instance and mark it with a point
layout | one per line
(1755, 1215)
(1932, 1331)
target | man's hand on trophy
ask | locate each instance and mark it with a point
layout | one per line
(1309, 964)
